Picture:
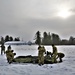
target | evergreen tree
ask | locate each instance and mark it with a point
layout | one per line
(7, 38)
(17, 39)
(49, 38)
(55, 39)
(46, 38)
(38, 38)
(71, 40)
(11, 38)
(2, 40)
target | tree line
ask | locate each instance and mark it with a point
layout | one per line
(8, 38)
(53, 38)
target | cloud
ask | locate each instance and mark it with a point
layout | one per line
(24, 17)
(72, 10)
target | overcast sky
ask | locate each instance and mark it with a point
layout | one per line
(24, 18)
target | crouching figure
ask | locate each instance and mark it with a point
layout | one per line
(10, 55)
(60, 56)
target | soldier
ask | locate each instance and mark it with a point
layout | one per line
(54, 54)
(41, 51)
(9, 47)
(60, 56)
(2, 49)
(10, 55)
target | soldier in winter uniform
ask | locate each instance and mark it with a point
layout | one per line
(10, 55)
(41, 51)
(2, 49)
(54, 54)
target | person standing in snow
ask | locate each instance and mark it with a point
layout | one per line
(41, 51)
(54, 54)
(2, 49)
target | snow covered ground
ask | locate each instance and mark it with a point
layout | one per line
(67, 67)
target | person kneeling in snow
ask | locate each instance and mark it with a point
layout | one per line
(10, 55)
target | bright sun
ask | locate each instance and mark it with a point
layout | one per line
(64, 13)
